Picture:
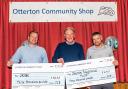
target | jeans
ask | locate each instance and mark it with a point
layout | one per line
(103, 86)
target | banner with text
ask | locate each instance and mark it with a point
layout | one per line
(62, 11)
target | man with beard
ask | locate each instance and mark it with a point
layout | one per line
(99, 50)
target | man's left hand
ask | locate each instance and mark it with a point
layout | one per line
(115, 62)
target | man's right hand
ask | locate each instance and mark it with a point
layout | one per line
(88, 87)
(10, 63)
(60, 60)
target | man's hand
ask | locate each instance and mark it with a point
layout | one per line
(85, 88)
(115, 62)
(88, 87)
(60, 60)
(10, 63)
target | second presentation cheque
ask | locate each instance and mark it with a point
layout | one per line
(90, 72)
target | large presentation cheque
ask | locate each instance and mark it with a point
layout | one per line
(89, 72)
(52, 75)
(37, 76)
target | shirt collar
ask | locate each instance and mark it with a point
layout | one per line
(70, 43)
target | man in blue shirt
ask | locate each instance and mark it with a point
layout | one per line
(69, 50)
(30, 53)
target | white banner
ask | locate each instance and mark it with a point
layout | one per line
(37, 76)
(62, 11)
(90, 72)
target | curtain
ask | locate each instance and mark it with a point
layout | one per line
(50, 34)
